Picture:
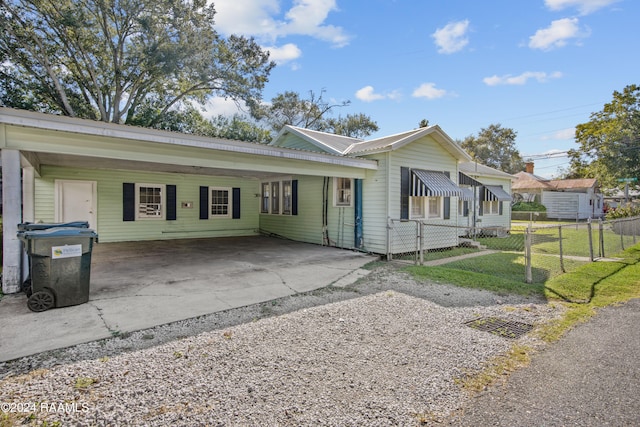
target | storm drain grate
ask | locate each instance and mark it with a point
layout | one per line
(501, 327)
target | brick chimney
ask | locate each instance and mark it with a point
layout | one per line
(528, 167)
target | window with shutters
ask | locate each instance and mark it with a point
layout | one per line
(220, 202)
(150, 201)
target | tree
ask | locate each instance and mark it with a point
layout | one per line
(424, 123)
(353, 125)
(289, 108)
(121, 60)
(495, 147)
(610, 141)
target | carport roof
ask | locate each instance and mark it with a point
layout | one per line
(113, 131)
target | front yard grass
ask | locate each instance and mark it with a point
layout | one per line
(582, 292)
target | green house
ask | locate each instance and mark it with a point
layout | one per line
(134, 183)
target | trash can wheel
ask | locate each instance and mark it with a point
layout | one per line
(26, 287)
(41, 301)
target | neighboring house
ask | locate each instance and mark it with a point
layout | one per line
(563, 198)
(134, 183)
(489, 204)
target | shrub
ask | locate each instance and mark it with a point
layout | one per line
(528, 207)
(623, 212)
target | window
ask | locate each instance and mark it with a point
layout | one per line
(264, 207)
(275, 197)
(220, 202)
(491, 207)
(425, 207)
(150, 201)
(435, 207)
(278, 198)
(342, 192)
(417, 207)
(286, 197)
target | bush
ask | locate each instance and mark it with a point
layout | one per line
(623, 212)
(528, 207)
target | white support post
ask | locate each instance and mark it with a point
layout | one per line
(11, 217)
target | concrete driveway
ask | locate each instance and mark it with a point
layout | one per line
(138, 285)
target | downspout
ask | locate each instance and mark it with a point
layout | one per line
(387, 198)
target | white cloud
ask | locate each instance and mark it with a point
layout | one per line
(284, 54)
(585, 7)
(368, 94)
(220, 106)
(429, 91)
(263, 19)
(521, 79)
(452, 37)
(562, 135)
(557, 34)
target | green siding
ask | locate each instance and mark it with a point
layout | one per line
(294, 141)
(307, 225)
(111, 227)
(382, 193)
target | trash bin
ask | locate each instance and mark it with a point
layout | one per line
(59, 265)
(30, 226)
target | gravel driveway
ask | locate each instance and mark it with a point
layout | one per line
(384, 351)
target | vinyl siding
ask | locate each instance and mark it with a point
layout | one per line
(307, 225)
(294, 141)
(382, 196)
(111, 227)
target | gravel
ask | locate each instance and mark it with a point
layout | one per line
(385, 351)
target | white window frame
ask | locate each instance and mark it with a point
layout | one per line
(491, 207)
(163, 202)
(265, 197)
(419, 207)
(337, 192)
(229, 203)
(287, 196)
(416, 207)
(275, 197)
(438, 202)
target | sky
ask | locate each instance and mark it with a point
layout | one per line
(539, 67)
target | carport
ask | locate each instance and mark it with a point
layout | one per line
(138, 285)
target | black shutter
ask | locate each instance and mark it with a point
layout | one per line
(465, 208)
(480, 211)
(405, 189)
(294, 197)
(172, 204)
(204, 202)
(128, 201)
(447, 202)
(500, 205)
(235, 213)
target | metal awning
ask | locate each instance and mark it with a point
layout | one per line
(495, 192)
(464, 179)
(433, 184)
(467, 194)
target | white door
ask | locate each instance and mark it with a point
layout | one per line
(76, 201)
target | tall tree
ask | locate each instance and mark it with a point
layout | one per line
(104, 59)
(495, 147)
(352, 125)
(610, 141)
(314, 112)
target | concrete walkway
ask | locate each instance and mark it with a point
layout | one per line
(138, 285)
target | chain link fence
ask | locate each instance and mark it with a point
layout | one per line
(523, 252)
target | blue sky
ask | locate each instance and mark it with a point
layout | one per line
(539, 67)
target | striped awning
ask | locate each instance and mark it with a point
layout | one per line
(467, 194)
(495, 192)
(464, 179)
(433, 184)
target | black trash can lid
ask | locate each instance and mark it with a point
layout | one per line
(28, 226)
(58, 232)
